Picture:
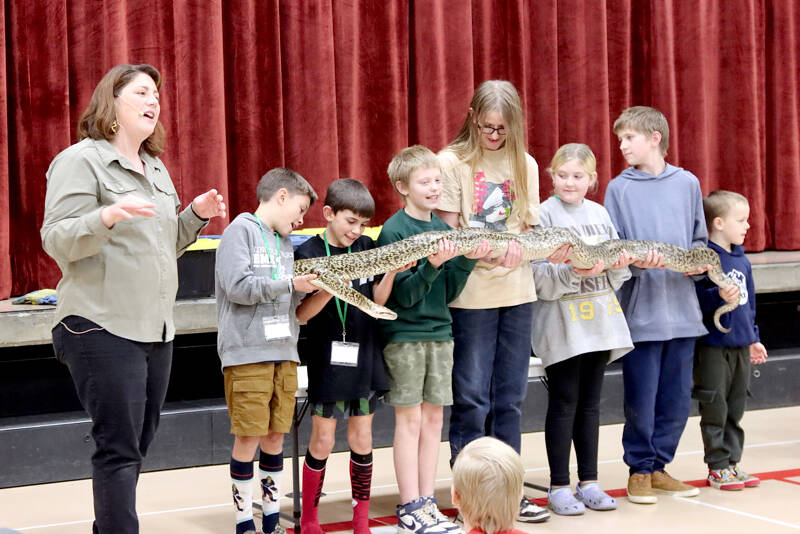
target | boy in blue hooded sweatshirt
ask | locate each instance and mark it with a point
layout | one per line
(722, 362)
(656, 201)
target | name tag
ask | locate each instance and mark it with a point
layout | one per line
(343, 353)
(276, 328)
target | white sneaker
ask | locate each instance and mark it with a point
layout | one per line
(441, 519)
(413, 518)
(530, 512)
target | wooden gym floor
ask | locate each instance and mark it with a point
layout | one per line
(198, 500)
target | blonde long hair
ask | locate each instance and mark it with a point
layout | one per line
(500, 96)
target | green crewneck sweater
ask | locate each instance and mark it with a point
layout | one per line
(420, 295)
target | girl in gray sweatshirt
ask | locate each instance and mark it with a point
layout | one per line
(578, 327)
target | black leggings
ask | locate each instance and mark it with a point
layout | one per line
(573, 415)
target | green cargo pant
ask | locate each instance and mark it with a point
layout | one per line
(721, 376)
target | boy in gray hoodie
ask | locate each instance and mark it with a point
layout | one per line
(655, 201)
(257, 337)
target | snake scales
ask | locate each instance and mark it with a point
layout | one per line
(332, 271)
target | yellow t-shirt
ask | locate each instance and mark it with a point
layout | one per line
(483, 199)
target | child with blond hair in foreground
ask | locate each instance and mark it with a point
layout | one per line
(487, 486)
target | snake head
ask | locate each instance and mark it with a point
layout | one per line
(384, 313)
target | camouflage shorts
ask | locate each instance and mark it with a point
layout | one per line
(345, 409)
(420, 371)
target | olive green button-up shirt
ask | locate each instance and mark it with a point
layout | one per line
(123, 278)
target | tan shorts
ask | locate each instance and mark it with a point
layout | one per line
(260, 397)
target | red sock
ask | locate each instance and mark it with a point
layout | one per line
(360, 481)
(313, 477)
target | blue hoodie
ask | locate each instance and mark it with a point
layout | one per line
(742, 320)
(659, 304)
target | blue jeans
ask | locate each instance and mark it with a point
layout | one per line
(491, 357)
(122, 385)
(658, 388)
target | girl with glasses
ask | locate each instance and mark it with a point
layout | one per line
(490, 181)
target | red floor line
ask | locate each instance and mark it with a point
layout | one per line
(542, 501)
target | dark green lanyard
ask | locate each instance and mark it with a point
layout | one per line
(276, 271)
(342, 315)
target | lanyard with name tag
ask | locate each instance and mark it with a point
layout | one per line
(342, 352)
(276, 327)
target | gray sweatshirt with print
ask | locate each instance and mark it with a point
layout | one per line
(577, 314)
(254, 290)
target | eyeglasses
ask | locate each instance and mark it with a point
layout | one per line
(488, 130)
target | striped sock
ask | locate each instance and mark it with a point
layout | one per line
(313, 478)
(360, 481)
(242, 478)
(270, 469)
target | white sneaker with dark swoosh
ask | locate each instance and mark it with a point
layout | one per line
(441, 519)
(413, 518)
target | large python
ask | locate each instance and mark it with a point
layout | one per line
(332, 271)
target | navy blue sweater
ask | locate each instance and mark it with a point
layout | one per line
(741, 321)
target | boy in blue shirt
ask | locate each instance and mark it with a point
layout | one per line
(653, 200)
(722, 362)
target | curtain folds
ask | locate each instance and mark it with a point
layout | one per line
(333, 88)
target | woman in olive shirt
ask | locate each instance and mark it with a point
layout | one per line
(113, 225)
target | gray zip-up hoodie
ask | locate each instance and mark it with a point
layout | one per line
(659, 304)
(250, 288)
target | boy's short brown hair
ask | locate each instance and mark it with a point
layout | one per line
(487, 480)
(283, 178)
(409, 160)
(719, 203)
(349, 194)
(646, 120)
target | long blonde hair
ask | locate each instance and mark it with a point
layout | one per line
(502, 97)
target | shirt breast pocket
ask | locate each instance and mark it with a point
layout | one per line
(166, 188)
(113, 190)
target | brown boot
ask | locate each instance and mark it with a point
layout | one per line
(664, 483)
(640, 489)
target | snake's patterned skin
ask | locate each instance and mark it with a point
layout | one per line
(332, 271)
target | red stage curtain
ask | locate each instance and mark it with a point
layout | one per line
(333, 88)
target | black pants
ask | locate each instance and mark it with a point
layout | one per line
(721, 375)
(573, 415)
(122, 385)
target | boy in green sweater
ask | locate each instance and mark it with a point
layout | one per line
(419, 343)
